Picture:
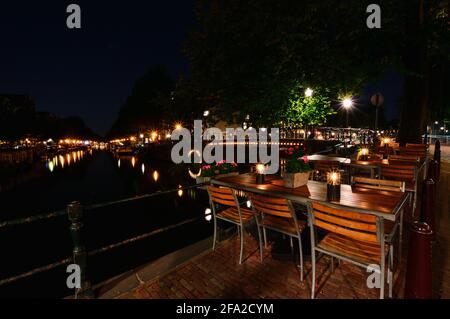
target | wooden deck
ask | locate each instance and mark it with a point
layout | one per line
(217, 274)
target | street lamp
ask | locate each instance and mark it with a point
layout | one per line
(308, 92)
(347, 103)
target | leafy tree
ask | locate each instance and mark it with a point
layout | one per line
(148, 104)
(306, 110)
(251, 54)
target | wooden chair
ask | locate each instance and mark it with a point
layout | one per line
(378, 184)
(405, 173)
(417, 146)
(278, 214)
(404, 159)
(390, 228)
(419, 150)
(233, 213)
(354, 237)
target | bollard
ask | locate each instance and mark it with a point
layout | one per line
(428, 200)
(418, 271)
(437, 157)
(75, 213)
(433, 171)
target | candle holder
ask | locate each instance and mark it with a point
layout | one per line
(334, 186)
(260, 170)
(364, 154)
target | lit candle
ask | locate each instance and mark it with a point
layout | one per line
(260, 170)
(334, 186)
(364, 154)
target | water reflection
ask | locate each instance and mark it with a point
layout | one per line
(64, 160)
(133, 161)
(155, 176)
(143, 168)
(208, 214)
(180, 191)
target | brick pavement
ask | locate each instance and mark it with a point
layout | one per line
(217, 274)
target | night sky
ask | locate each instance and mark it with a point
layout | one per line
(88, 72)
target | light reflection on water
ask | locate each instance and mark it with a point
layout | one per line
(61, 161)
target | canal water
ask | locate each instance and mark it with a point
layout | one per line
(92, 178)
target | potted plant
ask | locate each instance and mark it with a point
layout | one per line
(207, 172)
(297, 170)
(224, 169)
(218, 170)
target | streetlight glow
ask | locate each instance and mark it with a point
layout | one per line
(308, 92)
(347, 103)
(206, 113)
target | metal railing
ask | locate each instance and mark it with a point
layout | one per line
(75, 212)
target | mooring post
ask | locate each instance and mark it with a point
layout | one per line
(437, 157)
(428, 202)
(418, 283)
(75, 214)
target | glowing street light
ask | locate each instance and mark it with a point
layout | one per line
(308, 92)
(178, 126)
(206, 113)
(347, 103)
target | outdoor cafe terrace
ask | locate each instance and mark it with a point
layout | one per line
(201, 272)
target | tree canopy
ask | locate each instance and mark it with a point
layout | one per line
(250, 55)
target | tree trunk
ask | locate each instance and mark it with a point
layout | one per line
(413, 115)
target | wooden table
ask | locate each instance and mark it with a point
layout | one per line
(381, 203)
(341, 160)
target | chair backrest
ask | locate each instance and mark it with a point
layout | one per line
(379, 184)
(405, 173)
(222, 195)
(414, 151)
(404, 159)
(354, 225)
(278, 207)
(417, 146)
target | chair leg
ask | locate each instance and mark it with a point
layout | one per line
(265, 237)
(390, 270)
(215, 233)
(292, 244)
(260, 241)
(400, 235)
(313, 283)
(332, 264)
(241, 234)
(301, 255)
(382, 279)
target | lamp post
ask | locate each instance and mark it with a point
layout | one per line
(205, 116)
(347, 103)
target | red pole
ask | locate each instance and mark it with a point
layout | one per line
(428, 200)
(418, 272)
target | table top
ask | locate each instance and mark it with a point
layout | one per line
(382, 203)
(342, 160)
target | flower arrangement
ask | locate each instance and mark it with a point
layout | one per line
(296, 162)
(208, 171)
(222, 167)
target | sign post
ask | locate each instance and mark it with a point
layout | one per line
(376, 100)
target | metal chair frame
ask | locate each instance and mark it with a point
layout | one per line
(381, 240)
(355, 181)
(297, 235)
(240, 225)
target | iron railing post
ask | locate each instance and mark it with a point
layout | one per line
(75, 214)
